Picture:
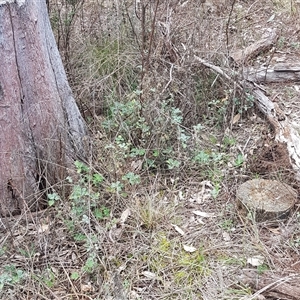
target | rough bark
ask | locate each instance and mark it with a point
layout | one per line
(280, 72)
(41, 129)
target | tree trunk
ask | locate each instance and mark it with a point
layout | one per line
(41, 129)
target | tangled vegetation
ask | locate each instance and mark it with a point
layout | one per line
(151, 214)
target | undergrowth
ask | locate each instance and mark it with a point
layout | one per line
(163, 145)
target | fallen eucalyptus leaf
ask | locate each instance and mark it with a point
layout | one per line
(189, 249)
(125, 214)
(236, 118)
(226, 236)
(256, 261)
(203, 214)
(178, 229)
(149, 274)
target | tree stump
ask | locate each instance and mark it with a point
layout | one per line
(266, 199)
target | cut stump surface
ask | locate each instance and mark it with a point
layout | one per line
(267, 199)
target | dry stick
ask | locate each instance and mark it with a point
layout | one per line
(215, 68)
(266, 43)
(131, 23)
(152, 32)
(265, 105)
(70, 282)
(170, 80)
(227, 26)
(233, 106)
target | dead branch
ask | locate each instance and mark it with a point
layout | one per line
(265, 44)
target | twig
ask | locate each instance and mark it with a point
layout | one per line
(170, 80)
(218, 70)
(227, 26)
(213, 67)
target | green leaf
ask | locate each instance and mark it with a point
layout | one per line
(97, 178)
(101, 213)
(75, 275)
(81, 167)
(239, 160)
(132, 178)
(137, 152)
(173, 163)
(51, 202)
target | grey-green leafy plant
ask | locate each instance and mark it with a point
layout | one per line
(52, 198)
(85, 196)
(215, 190)
(116, 187)
(239, 160)
(75, 275)
(202, 157)
(132, 178)
(91, 264)
(49, 278)
(11, 275)
(173, 163)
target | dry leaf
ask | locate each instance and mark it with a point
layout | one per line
(225, 98)
(74, 258)
(206, 183)
(274, 230)
(180, 195)
(226, 236)
(136, 165)
(149, 275)
(125, 214)
(190, 249)
(271, 18)
(55, 270)
(256, 261)
(203, 214)
(200, 221)
(236, 118)
(86, 287)
(43, 228)
(133, 295)
(178, 229)
(204, 194)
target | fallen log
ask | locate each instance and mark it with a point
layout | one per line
(276, 74)
(285, 132)
(280, 72)
(269, 284)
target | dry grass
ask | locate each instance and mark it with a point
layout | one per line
(164, 147)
